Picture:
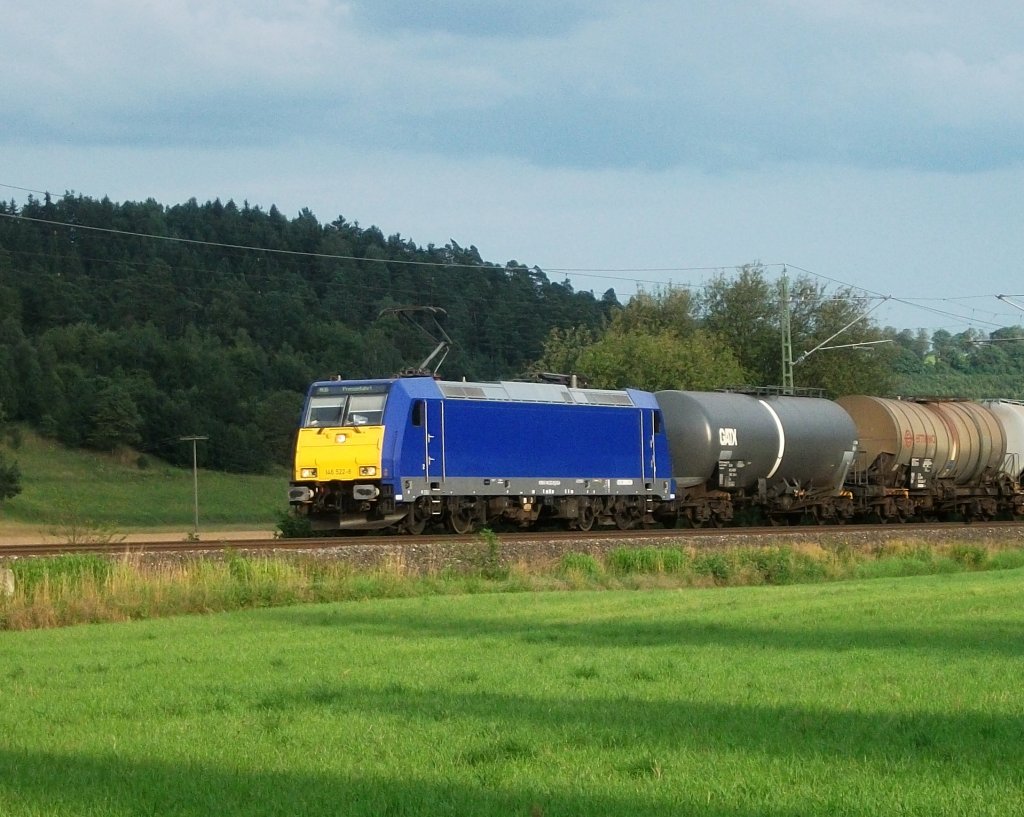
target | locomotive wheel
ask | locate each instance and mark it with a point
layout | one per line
(585, 520)
(624, 517)
(415, 521)
(462, 517)
(413, 526)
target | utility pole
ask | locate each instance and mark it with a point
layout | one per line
(195, 482)
(787, 338)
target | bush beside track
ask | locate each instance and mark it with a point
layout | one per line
(74, 589)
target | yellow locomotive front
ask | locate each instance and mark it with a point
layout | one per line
(338, 453)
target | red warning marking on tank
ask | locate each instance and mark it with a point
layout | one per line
(908, 438)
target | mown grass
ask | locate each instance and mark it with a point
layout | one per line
(74, 589)
(854, 698)
(68, 491)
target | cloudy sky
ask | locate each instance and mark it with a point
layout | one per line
(877, 144)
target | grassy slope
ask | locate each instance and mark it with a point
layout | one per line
(860, 698)
(63, 488)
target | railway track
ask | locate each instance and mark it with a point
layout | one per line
(522, 541)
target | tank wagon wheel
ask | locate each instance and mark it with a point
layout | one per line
(819, 517)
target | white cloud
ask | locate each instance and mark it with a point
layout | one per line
(968, 93)
(654, 84)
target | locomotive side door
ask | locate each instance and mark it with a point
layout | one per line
(649, 428)
(423, 454)
(434, 465)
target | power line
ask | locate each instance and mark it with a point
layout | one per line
(338, 257)
(912, 302)
(609, 273)
(26, 189)
(247, 247)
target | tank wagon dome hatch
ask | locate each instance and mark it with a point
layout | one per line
(805, 440)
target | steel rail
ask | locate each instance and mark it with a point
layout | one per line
(640, 536)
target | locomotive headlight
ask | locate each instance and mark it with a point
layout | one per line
(367, 470)
(340, 438)
(307, 473)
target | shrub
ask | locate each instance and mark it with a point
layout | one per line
(71, 568)
(491, 566)
(771, 565)
(714, 564)
(293, 526)
(968, 555)
(580, 564)
(625, 561)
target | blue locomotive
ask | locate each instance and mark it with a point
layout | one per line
(406, 452)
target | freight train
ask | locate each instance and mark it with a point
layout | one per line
(406, 453)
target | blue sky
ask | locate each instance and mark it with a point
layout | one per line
(878, 144)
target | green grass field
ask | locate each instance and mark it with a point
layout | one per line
(65, 490)
(888, 696)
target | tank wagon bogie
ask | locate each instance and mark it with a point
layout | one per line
(409, 452)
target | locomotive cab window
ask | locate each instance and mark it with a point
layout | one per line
(325, 411)
(340, 409)
(364, 410)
